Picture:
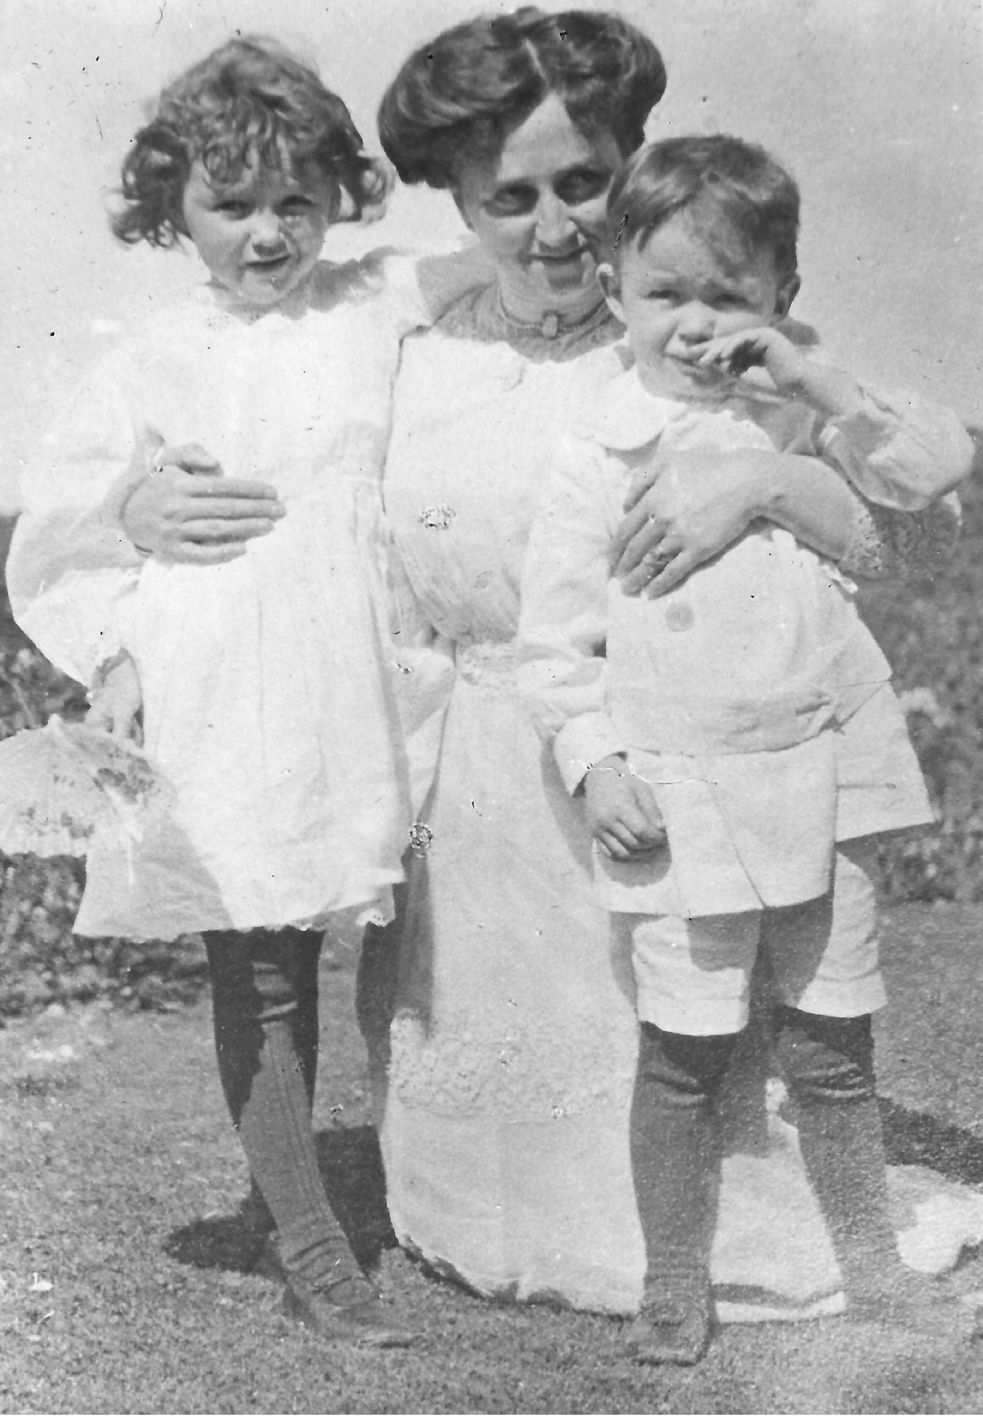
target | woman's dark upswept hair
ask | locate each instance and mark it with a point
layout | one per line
(456, 99)
(249, 99)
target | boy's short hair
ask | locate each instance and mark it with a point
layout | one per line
(724, 177)
(249, 97)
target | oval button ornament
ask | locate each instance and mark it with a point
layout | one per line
(679, 616)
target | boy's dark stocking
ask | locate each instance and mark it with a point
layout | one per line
(266, 1042)
(675, 1153)
(829, 1066)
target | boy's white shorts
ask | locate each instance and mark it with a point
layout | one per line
(693, 975)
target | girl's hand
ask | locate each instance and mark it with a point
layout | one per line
(116, 702)
(187, 510)
(683, 512)
(622, 813)
(763, 347)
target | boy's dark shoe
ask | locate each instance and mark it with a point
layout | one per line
(663, 1337)
(348, 1311)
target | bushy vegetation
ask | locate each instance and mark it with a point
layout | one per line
(41, 962)
(44, 963)
(932, 631)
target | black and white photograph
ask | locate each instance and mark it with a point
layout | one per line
(491, 706)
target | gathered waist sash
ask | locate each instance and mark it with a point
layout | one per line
(488, 663)
(656, 717)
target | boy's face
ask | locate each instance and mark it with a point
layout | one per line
(261, 235)
(679, 290)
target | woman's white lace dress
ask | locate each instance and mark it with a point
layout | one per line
(505, 1124)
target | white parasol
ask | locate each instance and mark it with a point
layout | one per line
(62, 782)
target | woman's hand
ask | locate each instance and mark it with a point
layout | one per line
(622, 813)
(116, 702)
(682, 512)
(186, 510)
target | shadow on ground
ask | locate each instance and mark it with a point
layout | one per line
(354, 1181)
(917, 1138)
(351, 1169)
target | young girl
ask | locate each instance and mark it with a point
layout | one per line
(262, 684)
(737, 741)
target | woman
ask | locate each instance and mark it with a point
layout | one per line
(505, 1126)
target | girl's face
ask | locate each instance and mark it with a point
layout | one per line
(261, 235)
(539, 210)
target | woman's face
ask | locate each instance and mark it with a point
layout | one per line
(539, 211)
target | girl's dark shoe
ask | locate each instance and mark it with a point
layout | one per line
(662, 1338)
(348, 1311)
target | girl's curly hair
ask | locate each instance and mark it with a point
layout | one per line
(457, 98)
(249, 99)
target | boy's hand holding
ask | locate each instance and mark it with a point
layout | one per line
(761, 347)
(829, 391)
(116, 701)
(622, 812)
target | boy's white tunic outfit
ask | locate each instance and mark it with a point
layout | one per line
(751, 697)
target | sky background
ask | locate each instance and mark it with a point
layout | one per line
(875, 105)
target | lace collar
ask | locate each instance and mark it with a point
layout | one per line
(624, 416)
(480, 316)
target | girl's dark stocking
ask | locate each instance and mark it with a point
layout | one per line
(255, 1209)
(265, 1007)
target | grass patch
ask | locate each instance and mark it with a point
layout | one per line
(124, 1267)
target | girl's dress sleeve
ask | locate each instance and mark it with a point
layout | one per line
(71, 569)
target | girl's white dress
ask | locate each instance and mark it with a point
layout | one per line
(512, 1051)
(267, 681)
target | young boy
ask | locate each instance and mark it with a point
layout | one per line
(737, 741)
